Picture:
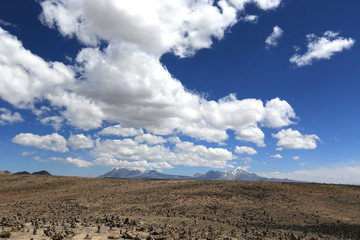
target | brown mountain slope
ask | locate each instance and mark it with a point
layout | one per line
(189, 208)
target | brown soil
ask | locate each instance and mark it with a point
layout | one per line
(75, 208)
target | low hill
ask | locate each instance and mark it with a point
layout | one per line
(42, 172)
(22, 173)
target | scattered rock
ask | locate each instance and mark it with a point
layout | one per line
(157, 231)
(14, 223)
(293, 237)
(128, 235)
(54, 208)
(5, 234)
(114, 236)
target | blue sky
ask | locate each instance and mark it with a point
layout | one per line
(270, 86)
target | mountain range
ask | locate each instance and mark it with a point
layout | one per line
(42, 172)
(150, 174)
(236, 175)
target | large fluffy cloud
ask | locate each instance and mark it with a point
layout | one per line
(124, 84)
(137, 91)
(53, 142)
(293, 139)
(278, 113)
(80, 141)
(156, 27)
(322, 48)
(115, 152)
(25, 76)
(245, 150)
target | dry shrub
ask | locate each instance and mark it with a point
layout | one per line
(5, 234)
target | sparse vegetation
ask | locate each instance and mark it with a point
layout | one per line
(5, 234)
(206, 209)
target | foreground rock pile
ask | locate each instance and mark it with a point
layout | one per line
(120, 228)
(49, 207)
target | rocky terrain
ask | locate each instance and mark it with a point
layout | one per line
(52, 207)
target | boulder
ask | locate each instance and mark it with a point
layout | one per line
(114, 236)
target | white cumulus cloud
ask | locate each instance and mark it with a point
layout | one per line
(250, 18)
(7, 117)
(322, 48)
(245, 150)
(142, 164)
(25, 76)
(184, 153)
(293, 139)
(54, 121)
(273, 39)
(118, 130)
(278, 113)
(53, 142)
(150, 139)
(276, 156)
(75, 161)
(125, 84)
(136, 90)
(263, 4)
(244, 168)
(156, 27)
(251, 134)
(80, 141)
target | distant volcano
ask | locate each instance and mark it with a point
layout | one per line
(150, 174)
(236, 175)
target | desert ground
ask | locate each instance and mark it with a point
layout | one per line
(53, 207)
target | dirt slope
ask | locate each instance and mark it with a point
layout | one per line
(73, 208)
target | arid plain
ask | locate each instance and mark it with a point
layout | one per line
(54, 207)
